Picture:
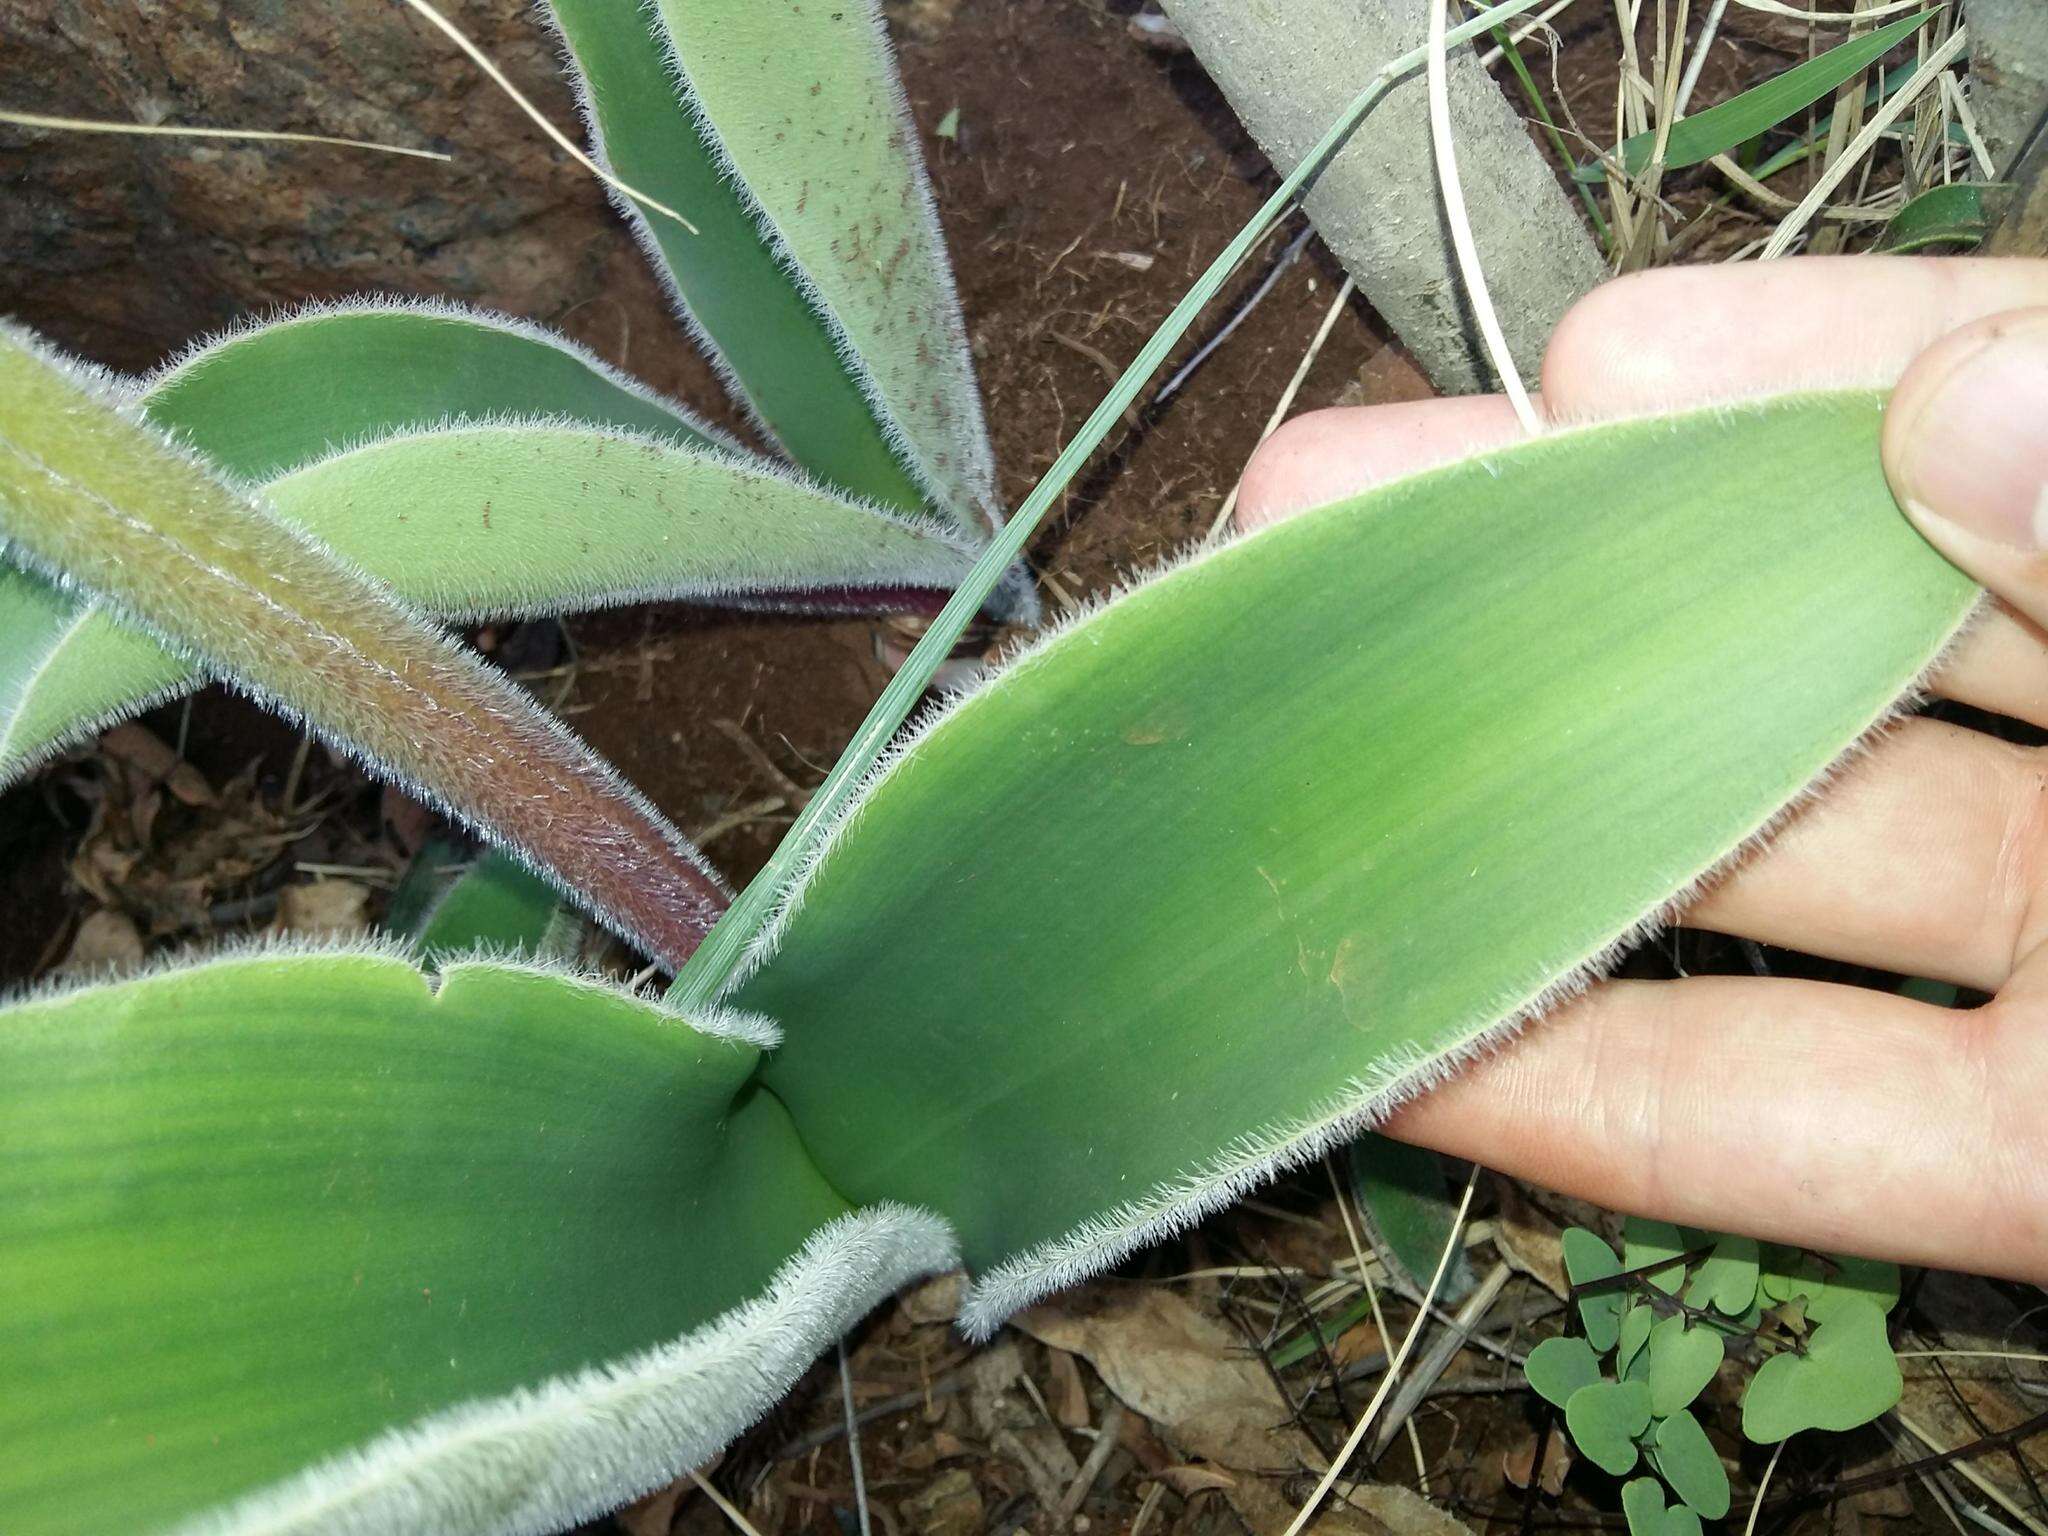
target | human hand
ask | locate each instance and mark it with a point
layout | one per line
(1829, 1116)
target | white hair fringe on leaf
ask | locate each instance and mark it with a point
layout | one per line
(973, 450)
(735, 1026)
(1365, 1102)
(539, 1460)
(972, 446)
(195, 353)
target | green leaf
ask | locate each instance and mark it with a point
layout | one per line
(1847, 1376)
(1605, 1419)
(1637, 1320)
(1642, 1501)
(1687, 1460)
(1558, 1367)
(1682, 1361)
(1727, 1279)
(1644, 1243)
(1733, 122)
(1410, 1213)
(1827, 1282)
(1272, 863)
(499, 905)
(1958, 215)
(818, 277)
(1587, 1261)
(88, 491)
(265, 1213)
(507, 520)
(261, 399)
(481, 467)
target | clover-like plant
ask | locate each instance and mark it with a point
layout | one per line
(394, 1237)
(1657, 1325)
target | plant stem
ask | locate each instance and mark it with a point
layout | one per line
(712, 968)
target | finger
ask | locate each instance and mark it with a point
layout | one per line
(1326, 456)
(1923, 857)
(1831, 1117)
(1684, 336)
(1966, 446)
(2001, 666)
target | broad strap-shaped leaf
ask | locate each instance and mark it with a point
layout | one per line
(505, 519)
(459, 903)
(1309, 822)
(496, 905)
(1410, 1214)
(297, 1242)
(266, 397)
(89, 492)
(818, 277)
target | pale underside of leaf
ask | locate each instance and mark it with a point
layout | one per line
(1309, 822)
(91, 493)
(502, 520)
(730, 285)
(804, 106)
(540, 1221)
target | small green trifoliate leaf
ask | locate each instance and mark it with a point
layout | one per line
(89, 492)
(1683, 1360)
(1847, 1376)
(1727, 1279)
(1605, 1419)
(1642, 1501)
(1644, 1243)
(1827, 1281)
(1588, 1260)
(1410, 1212)
(1687, 1460)
(1636, 1324)
(1558, 1367)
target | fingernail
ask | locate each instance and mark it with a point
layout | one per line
(1973, 449)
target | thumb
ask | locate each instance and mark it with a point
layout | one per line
(1966, 448)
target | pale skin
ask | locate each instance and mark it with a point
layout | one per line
(1829, 1116)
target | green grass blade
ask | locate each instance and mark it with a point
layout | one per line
(735, 284)
(712, 968)
(514, 519)
(491, 1257)
(1741, 118)
(92, 493)
(265, 398)
(1309, 821)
